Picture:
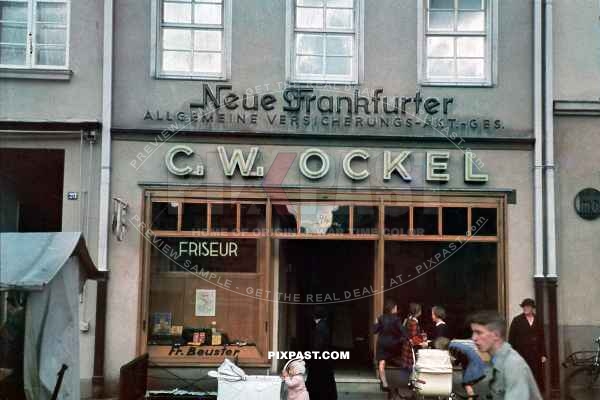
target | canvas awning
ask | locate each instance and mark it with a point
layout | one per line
(29, 261)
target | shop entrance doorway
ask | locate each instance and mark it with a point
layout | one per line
(330, 272)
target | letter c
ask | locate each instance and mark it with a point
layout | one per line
(181, 171)
(357, 176)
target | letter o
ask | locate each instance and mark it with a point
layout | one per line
(311, 174)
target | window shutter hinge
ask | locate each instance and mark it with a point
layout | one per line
(30, 43)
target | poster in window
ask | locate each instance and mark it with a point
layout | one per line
(205, 302)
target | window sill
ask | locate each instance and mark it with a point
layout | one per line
(300, 82)
(191, 78)
(485, 84)
(35, 73)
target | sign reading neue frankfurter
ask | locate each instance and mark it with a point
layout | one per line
(309, 109)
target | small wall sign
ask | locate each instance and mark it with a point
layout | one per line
(587, 204)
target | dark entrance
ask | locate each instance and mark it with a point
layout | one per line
(312, 268)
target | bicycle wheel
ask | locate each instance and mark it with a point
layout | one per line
(582, 384)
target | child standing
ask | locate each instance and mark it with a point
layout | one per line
(293, 377)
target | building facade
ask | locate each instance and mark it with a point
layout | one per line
(271, 156)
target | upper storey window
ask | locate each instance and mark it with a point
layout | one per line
(457, 42)
(34, 34)
(193, 39)
(324, 41)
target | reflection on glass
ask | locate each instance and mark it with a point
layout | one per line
(484, 222)
(164, 216)
(223, 217)
(454, 221)
(425, 220)
(366, 220)
(284, 218)
(324, 219)
(194, 217)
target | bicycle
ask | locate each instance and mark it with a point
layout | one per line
(580, 382)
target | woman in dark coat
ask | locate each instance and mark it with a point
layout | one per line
(526, 336)
(321, 379)
(389, 342)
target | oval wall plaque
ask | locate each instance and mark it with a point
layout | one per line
(587, 204)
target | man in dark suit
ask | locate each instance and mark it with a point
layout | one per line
(526, 335)
(321, 380)
(440, 329)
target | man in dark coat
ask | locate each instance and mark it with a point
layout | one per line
(526, 336)
(438, 316)
(321, 380)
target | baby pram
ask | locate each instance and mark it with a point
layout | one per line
(234, 384)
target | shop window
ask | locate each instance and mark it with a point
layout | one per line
(324, 219)
(454, 221)
(366, 220)
(426, 220)
(164, 216)
(484, 221)
(223, 217)
(192, 38)
(34, 34)
(194, 217)
(456, 45)
(397, 220)
(253, 217)
(324, 40)
(285, 218)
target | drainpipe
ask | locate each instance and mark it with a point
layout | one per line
(104, 200)
(549, 173)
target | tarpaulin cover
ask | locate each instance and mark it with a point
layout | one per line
(51, 266)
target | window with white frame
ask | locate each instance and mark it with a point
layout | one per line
(34, 33)
(457, 42)
(324, 40)
(192, 38)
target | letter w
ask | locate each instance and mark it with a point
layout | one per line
(237, 160)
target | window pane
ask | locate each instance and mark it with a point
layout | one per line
(340, 19)
(440, 68)
(194, 217)
(425, 220)
(253, 218)
(471, 21)
(340, 45)
(207, 62)
(440, 47)
(12, 11)
(284, 218)
(13, 33)
(441, 21)
(177, 13)
(455, 221)
(177, 61)
(470, 68)
(340, 3)
(441, 4)
(324, 219)
(309, 65)
(484, 221)
(164, 216)
(309, 18)
(366, 220)
(396, 220)
(310, 3)
(48, 34)
(470, 5)
(223, 217)
(207, 40)
(177, 39)
(207, 14)
(12, 55)
(309, 44)
(50, 56)
(471, 47)
(52, 12)
(339, 66)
